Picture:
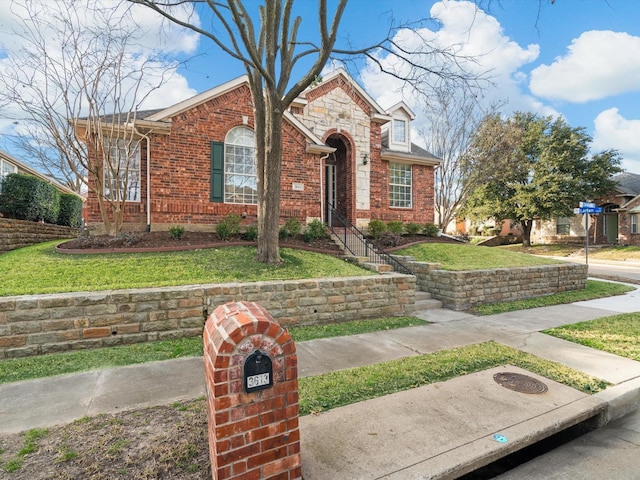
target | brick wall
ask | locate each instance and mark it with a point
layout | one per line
(20, 233)
(180, 170)
(38, 324)
(252, 434)
(461, 290)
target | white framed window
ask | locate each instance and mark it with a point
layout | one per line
(240, 170)
(400, 185)
(563, 226)
(634, 223)
(399, 130)
(5, 169)
(122, 172)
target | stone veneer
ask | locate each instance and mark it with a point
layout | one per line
(21, 233)
(39, 324)
(462, 290)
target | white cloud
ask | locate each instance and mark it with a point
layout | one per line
(612, 130)
(598, 64)
(482, 49)
(154, 48)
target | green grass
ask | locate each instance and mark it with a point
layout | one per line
(618, 334)
(25, 368)
(314, 332)
(40, 269)
(554, 250)
(335, 389)
(31, 438)
(616, 253)
(469, 257)
(594, 289)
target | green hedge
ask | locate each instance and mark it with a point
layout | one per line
(26, 197)
(70, 214)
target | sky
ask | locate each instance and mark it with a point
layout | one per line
(579, 59)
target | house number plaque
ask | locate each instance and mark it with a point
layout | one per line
(258, 372)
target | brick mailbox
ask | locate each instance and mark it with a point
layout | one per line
(251, 370)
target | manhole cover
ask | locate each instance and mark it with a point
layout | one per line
(520, 383)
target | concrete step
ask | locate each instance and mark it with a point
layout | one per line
(424, 301)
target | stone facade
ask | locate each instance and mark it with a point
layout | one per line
(462, 290)
(20, 233)
(38, 324)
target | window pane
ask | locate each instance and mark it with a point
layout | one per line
(399, 131)
(400, 185)
(563, 226)
(122, 170)
(240, 167)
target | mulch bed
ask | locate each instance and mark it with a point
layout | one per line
(161, 241)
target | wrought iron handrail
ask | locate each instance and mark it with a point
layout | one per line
(356, 243)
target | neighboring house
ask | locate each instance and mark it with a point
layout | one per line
(617, 224)
(196, 162)
(9, 164)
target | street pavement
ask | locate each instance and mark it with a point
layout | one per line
(441, 430)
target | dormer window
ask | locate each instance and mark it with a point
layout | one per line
(399, 130)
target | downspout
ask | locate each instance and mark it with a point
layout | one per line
(146, 137)
(322, 190)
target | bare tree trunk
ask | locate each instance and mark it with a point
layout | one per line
(526, 232)
(269, 182)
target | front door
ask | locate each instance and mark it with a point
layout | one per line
(330, 197)
(336, 188)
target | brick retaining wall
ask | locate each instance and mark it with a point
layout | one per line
(38, 324)
(461, 290)
(20, 233)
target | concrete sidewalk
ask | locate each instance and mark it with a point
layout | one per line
(438, 431)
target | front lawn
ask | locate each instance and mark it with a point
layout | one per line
(40, 269)
(618, 334)
(470, 257)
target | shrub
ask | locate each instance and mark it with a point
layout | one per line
(251, 234)
(396, 226)
(315, 231)
(26, 197)
(283, 233)
(389, 239)
(228, 226)
(176, 232)
(431, 230)
(293, 227)
(70, 214)
(413, 228)
(376, 228)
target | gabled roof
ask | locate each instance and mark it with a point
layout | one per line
(189, 103)
(402, 106)
(314, 144)
(26, 168)
(628, 183)
(379, 114)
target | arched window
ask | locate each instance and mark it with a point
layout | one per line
(240, 180)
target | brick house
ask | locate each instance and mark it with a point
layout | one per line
(617, 224)
(196, 160)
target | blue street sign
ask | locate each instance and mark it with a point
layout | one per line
(590, 210)
(587, 205)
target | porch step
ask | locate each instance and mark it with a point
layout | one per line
(424, 301)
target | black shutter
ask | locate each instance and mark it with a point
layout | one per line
(217, 171)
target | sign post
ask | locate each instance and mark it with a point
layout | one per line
(587, 208)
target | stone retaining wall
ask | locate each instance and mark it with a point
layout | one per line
(38, 324)
(461, 290)
(20, 233)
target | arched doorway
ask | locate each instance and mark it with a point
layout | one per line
(337, 188)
